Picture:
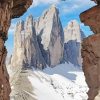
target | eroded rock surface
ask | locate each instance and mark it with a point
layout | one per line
(7, 12)
(91, 18)
(72, 45)
(51, 36)
(91, 65)
(32, 51)
(91, 52)
(26, 49)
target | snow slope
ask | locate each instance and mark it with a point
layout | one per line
(63, 82)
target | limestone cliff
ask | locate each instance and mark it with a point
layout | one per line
(26, 53)
(18, 54)
(40, 42)
(37, 43)
(91, 51)
(51, 36)
(32, 51)
(7, 10)
(72, 45)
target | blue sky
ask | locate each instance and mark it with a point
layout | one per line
(68, 10)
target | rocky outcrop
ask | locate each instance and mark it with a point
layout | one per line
(91, 52)
(50, 36)
(18, 54)
(91, 58)
(31, 47)
(26, 49)
(8, 8)
(38, 43)
(72, 45)
(91, 18)
(42, 42)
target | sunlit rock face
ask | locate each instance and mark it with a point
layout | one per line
(50, 36)
(72, 45)
(43, 41)
(18, 54)
(91, 52)
(26, 49)
(8, 8)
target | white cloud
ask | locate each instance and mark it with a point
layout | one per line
(67, 9)
(66, 6)
(75, 3)
(70, 5)
(38, 2)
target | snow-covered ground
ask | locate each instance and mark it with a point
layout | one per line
(63, 82)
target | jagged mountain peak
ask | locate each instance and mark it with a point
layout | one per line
(72, 45)
(73, 31)
(51, 11)
(47, 35)
(53, 8)
(49, 30)
(20, 25)
(30, 19)
(72, 23)
(43, 44)
(26, 48)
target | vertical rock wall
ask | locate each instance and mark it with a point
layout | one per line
(91, 51)
(7, 9)
(72, 45)
(26, 53)
(51, 36)
(5, 18)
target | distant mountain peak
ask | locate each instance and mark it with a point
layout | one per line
(49, 30)
(53, 8)
(72, 47)
(43, 42)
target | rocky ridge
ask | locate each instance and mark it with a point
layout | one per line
(26, 49)
(43, 42)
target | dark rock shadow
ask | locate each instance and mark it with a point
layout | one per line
(72, 51)
(67, 71)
